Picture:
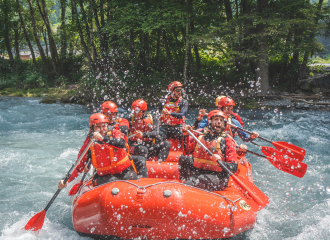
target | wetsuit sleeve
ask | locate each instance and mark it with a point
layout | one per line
(242, 135)
(155, 127)
(196, 123)
(230, 150)
(203, 124)
(124, 126)
(117, 139)
(183, 105)
(188, 143)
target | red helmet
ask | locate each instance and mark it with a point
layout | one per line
(173, 85)
(97, 118)
(216, 113)
(109, 107)
(225, 101)
(217, 100)
(141, 104)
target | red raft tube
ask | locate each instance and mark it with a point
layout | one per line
(161, 208)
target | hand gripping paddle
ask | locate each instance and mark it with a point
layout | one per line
(251, 194)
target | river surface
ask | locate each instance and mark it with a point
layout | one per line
(39, 142)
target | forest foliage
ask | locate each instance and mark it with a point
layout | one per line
(114, 46)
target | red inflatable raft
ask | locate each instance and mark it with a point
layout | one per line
(161, 207)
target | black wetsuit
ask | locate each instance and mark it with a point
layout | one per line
(143, 150)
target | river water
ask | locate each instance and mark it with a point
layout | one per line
(39, 142)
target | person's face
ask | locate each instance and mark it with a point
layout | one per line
(177, 92)
(111, 116)
(217, 124)
(102, 128)
(138, 113)
(228, 110)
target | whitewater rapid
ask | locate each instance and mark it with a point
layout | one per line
(39, 142)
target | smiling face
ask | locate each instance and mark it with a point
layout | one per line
(138, 113)
(228, 110)
(177, 92)
(217, 124)
(102, 128)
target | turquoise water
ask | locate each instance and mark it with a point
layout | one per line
(39, 142)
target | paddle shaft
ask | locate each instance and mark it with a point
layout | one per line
(131, 136)
(243, 130)
(83, 178)
(67, 176)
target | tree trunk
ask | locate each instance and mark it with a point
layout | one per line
(131, 48)
(44, 34)
(285, 59)
(41, 50)
(17, 55)
(198, 60)
(169, 58)
(6, 30)
(229, 13)
(89, 31)
(159, 33)
(25, 33)
(83, 43)
(52, 45)
(147, 49)
(263, 51)
(186, 56)
(63, 30)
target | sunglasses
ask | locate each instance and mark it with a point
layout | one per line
(177, 89)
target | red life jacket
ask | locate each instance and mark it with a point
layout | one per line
(107, 159)
(202, 159)
(172, 107)
(143, 125)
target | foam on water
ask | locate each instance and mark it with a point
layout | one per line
(39, 142)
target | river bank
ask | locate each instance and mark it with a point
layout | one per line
(76, 94)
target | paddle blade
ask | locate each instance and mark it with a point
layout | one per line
(36, 221)
(290, 150)
(287, 165)
(75, 189)
(252, 195)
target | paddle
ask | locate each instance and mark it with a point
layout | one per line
(251, 194)
(287, 165)
(77, 186)
(284, 147)
(37, 220)
(131, 136)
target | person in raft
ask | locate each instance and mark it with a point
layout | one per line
(108, 155)
(196, 166)
(110, 110)
(144, 139)
(173, 110)
(226, 105)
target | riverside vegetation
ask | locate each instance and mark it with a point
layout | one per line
(122, 50)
